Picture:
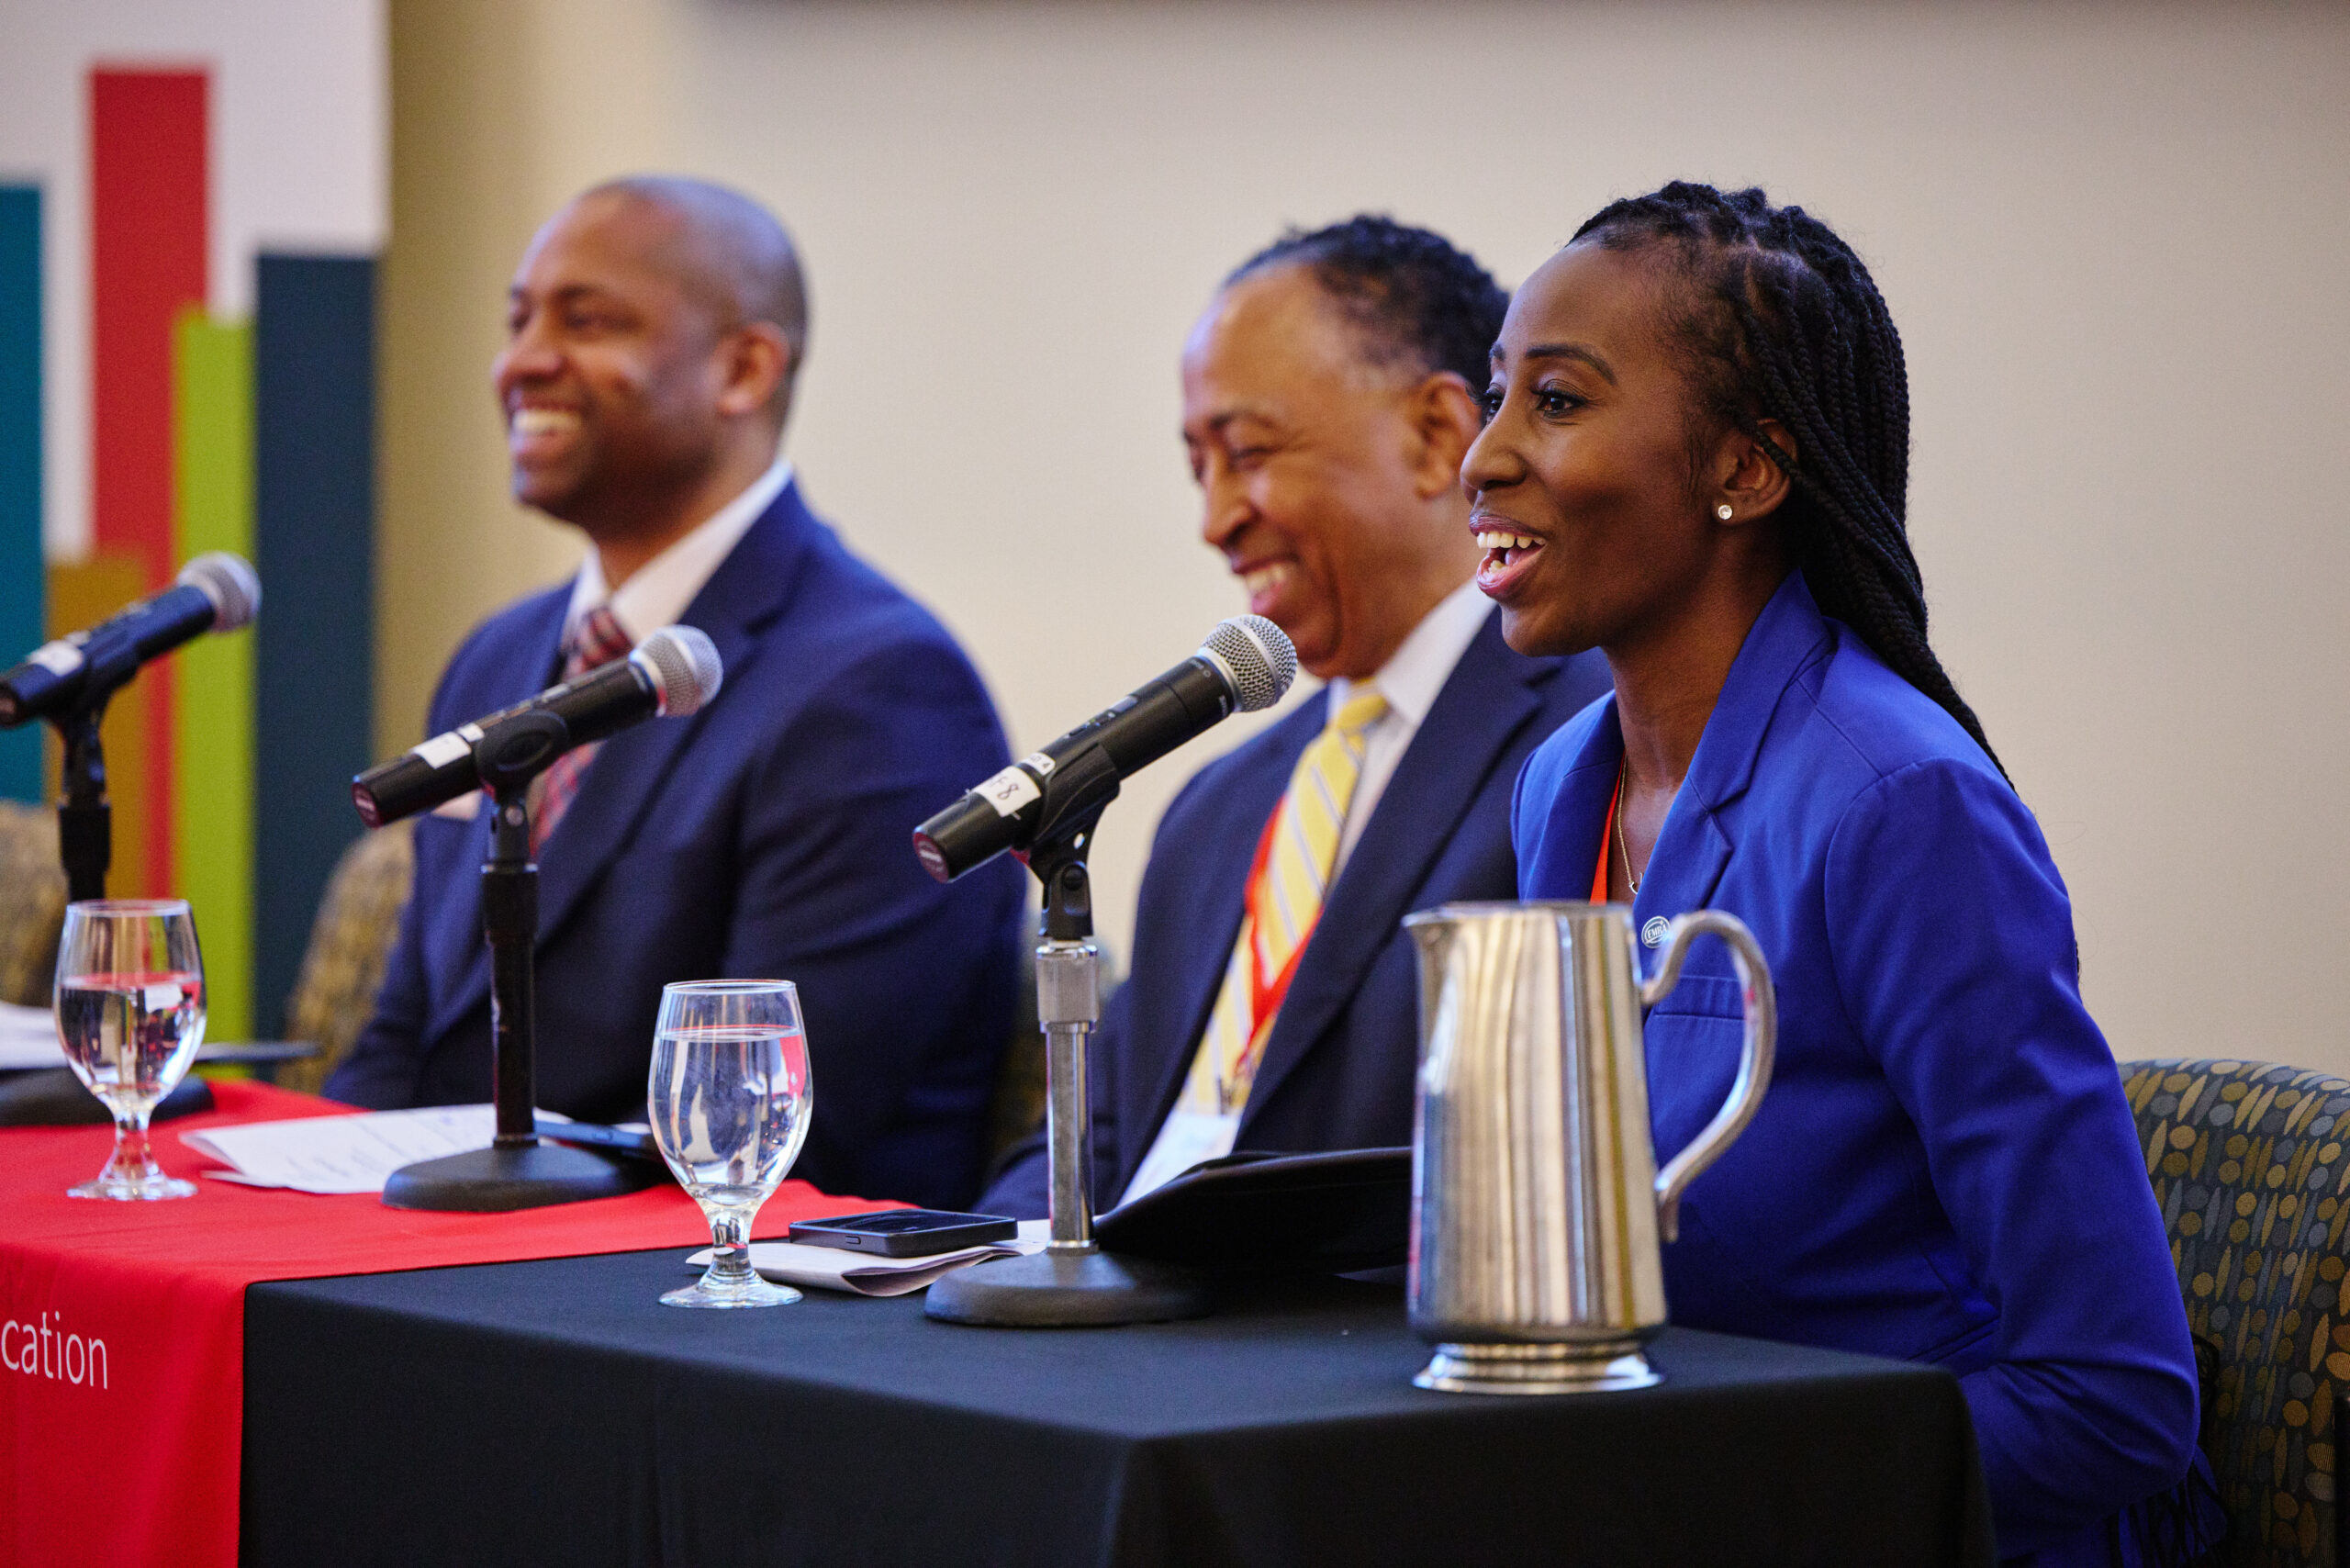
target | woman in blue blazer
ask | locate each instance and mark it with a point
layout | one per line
(1696, 459)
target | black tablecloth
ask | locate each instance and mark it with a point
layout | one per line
(555, 1413)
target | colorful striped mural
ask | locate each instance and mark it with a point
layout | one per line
(204, 432)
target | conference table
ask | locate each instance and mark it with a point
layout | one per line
(553, 1411)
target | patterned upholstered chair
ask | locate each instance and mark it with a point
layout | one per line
(2247, 1162)
(32, 902)
(342, 968)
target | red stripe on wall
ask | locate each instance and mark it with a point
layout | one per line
(148, 228)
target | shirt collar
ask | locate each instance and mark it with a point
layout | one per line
(1415, 672)
(661, 591)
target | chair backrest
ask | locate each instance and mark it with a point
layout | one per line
(32, 902)
(2246, 1159)
(342, 968)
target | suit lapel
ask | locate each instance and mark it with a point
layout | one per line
(453, 935)
(750, 588)
(1685, 867)
(1694, 849)
(1220, 856)
(1491, 695)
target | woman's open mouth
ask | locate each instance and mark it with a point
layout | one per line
(1507, 558)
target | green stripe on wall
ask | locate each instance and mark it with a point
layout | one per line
(212, 716)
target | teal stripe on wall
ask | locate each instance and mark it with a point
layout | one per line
(22, 574)
(314, 542)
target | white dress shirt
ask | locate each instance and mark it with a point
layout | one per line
(1410, 680)
(659, 591)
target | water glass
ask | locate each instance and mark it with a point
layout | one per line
(129, 1002)
(729, 1097)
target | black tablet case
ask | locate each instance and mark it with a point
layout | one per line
(1335, 1213)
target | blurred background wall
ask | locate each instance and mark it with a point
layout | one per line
(191, 193)
(2113, 236)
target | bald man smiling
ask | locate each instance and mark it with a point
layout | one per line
(654, 328)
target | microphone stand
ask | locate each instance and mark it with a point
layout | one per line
(84, 817)
(55, 1096)
(1072, 1283)
(517, 1170)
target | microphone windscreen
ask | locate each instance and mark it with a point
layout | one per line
(231, 583)
(685, 666)
(1258, 657)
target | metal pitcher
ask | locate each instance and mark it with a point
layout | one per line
(1536, 1205)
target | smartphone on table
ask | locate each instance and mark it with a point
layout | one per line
(904, 1233)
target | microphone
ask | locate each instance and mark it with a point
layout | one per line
(216, 592)
(1245, 663)
(674, 673)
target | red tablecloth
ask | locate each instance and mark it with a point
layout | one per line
(122, 1324)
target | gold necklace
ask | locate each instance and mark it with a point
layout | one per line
(1624, 844)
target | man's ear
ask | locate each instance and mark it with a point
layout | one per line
(1747, 479)
(757, 363)
(1445, 419)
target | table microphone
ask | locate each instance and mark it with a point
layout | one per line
(216, 592)
(1246, 664)
(672, 673)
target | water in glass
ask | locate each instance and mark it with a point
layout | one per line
(729, 1099)
(130, 1037)
(129, 1001)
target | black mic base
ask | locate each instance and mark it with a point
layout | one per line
(1067, 1290)
(529, 1176)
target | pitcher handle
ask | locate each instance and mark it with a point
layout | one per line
(1761, 1046)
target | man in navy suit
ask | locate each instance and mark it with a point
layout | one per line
(653, 330)
(1329, 393)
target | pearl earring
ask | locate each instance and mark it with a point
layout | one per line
(1723, 512)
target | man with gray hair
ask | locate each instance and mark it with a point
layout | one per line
(1329, 390)
(654, 328)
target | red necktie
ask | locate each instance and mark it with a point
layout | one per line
(595, 642)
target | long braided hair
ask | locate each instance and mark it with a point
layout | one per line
(1780, 320)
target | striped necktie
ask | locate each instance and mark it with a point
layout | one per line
(1286, 883)
(596, 640)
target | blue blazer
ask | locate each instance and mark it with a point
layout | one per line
(1944, 1169)
(765, 837)
(1338, 1066)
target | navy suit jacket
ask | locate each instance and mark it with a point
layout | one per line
(1943, 1167)
(1338, 1068)
(766, 836)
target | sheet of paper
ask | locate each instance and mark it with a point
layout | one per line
(344, 1154)
(29, 1037)
(836, 1268)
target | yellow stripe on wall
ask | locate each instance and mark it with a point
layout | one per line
(212, 717)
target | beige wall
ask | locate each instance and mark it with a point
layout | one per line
(2113, 237)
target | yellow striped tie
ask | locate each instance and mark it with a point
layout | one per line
(1284, 899)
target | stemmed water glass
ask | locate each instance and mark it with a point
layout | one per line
(730, 1096)
(130, 1005)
